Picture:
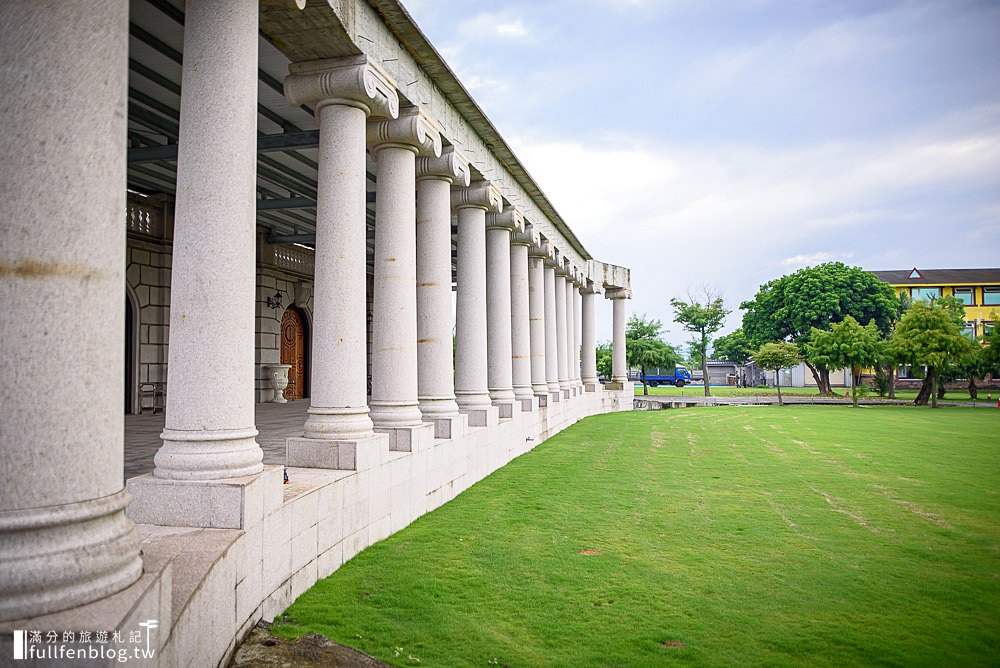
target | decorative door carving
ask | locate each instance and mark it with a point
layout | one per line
(293, 352)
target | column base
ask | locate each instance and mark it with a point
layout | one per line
(566, 394)
(357, 454)
(338, 424)
(229, 503)
(452, 426)
(555, 396)
(542, 399)
(411, 438)
(590, 387)
(59, 557)
(482, 416)
(527, 403)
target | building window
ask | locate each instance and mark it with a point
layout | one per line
(927, 294)
(991, 296)
(969, 330)
(966, 295)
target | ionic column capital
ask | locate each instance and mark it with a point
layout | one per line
(510, 218)
(539, 248)
(553, 258)
(591, 288)
(527, 237)
(348, 81)
(449, 166)
(412, 130)
(479, 195)
(618, 293)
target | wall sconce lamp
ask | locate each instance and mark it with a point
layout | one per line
(275, 301)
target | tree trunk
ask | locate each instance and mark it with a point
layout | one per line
(817, 376)
(892, 380)
(704, 374)
(932, 374)
(777, 383)
(927, 389)
(941, 390)
(642, 372)
(973, 389)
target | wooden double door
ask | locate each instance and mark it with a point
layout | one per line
(293, 351)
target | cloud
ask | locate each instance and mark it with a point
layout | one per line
(503, 26)
(811, 259)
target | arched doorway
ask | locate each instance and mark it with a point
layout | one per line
(293, 352)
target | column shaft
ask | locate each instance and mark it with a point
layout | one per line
(619, 368)
(520, 322)
(577, 336)
(435, 364)
(471, 388)
(64, 538)
(589, 338)
(536, 311)
(551, 334)
(394, 317)
(562, 330)
(210, 431)
(498, 316)
(572, 358)
(338, 407)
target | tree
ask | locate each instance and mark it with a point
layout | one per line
(702, 319)
(846, 344)
(643, 347)
(790, 307)
(733, 347)
(604, 359)
(694, 358)
(931, 335)
(776, 356)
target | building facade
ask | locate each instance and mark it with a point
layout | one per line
(979, 289)
(287, 196)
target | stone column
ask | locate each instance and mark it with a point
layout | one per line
(562, 330)
(536, 314)
(520, 317)
(619, 367)
(210, 432)
(344, 93)
(394, 299)
(435, 363)
(471, 378)
(551, 325)
(577, 331)
(499, 227)
(572, 357)
(589, 336)
(64, 537)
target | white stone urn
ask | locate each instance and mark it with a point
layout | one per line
(279, 381)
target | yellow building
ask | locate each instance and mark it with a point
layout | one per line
(978, 288)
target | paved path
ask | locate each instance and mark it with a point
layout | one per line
(652, 402)
(275, 422)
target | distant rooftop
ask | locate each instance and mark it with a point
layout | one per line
(917, 276)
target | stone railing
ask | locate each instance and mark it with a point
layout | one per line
(290, 258)
(144, 218)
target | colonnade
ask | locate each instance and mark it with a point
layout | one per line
(524, 328)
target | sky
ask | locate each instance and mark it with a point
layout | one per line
(720, 144)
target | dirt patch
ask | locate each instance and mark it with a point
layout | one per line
(260, 649)
(589, 553)
(674, 644)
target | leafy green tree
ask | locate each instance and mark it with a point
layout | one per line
(791, 307)
(931, 335)
(775, 356)
(704, 320)
(845, 344)
(604, 359)
(733, 347)
(694, 359)
(644, 348)
(991, 354)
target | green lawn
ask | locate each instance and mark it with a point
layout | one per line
(709, 536)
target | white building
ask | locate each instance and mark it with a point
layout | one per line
(262, 184)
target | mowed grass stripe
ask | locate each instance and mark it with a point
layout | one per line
(712, 536)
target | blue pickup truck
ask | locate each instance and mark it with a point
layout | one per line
(678, 376)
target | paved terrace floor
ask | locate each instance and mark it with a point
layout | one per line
(275, 422)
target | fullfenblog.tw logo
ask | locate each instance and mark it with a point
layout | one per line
(119, 646)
